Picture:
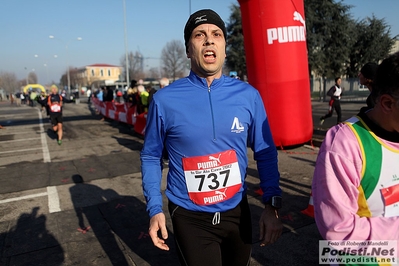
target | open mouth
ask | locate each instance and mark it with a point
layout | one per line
(209, 56)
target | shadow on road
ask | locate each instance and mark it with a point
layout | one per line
(128, 143)
(51, 134)
(29, 242)
(119, 223)
(299, 240)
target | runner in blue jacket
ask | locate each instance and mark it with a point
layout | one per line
(205, 121)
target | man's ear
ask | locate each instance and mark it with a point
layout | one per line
(386, 102)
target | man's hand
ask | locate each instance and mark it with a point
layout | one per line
(158, 222)
(270, 226)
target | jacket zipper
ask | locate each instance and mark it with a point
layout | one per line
(213, 119)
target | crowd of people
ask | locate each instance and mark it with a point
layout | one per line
(137, 95)
(23, 98)
(51, 104)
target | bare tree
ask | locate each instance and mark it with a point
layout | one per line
(64, 79)
(135, 65)
(8, 82)
(32, 78)
(153, 73)
(174, 59)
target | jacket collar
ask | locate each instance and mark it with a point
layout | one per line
(201, 82)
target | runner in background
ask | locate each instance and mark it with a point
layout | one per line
(335, 93)
(54, 102)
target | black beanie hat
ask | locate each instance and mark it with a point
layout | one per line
(368, 70)
(204, 16)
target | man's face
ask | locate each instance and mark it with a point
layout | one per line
(207, 50)
(54, 90)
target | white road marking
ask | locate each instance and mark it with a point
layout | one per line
(46, 153)
(53, 200)
(19, 132)
(32, 149)
(4, 116)
(52, 193)
(16, 140)
(24, 197)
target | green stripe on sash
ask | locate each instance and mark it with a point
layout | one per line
(373, 154)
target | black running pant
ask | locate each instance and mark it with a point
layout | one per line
(334, 104)
(200, 242)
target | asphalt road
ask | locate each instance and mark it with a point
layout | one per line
(81, 203)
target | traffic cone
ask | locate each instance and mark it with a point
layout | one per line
(309, 211)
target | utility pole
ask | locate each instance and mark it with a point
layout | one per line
(126, 46)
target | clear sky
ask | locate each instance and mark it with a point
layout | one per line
(27, 24)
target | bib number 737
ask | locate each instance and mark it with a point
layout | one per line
(212, 178)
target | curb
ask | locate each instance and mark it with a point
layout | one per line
(317, 141)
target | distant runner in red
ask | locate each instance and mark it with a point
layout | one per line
(54, 101)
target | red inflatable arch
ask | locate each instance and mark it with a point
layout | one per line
(277, 65)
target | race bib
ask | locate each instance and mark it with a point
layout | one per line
(55, 108)
(391, 200)
(212, 178)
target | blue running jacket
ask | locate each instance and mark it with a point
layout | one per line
(206, 131)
